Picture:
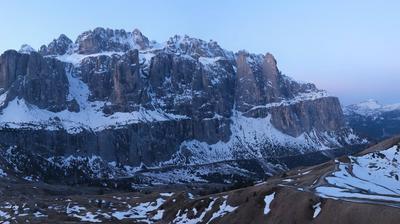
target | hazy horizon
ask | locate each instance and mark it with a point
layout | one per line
(348, 48)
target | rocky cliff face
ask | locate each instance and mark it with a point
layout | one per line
(40, 81)
(118, 95)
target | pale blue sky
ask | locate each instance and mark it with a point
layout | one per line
(350, 48)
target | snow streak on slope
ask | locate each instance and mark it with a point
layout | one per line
(306, 96)
(194, 216)
(317, 209)
(141, 212)
(224, 209)
(374, 176)
(76, 59)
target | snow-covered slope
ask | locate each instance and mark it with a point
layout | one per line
(374, 120)
(370, 108)
(374, 176)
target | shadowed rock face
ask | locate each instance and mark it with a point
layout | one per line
(248, 93)
(321, 115)
(197, 89)
(116, 79)
(185, 86)
(40, 81)
(271, 76)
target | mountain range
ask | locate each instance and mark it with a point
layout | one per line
(119, 104)
(373, 120)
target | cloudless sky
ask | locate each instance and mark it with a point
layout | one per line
(350, 48)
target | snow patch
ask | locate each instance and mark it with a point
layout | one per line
(141, 212)
(4, 215)
(26, 49)
(287, 180)
(317, 209)
(39, 215)
(223, 210)
(166, 194)
(209, 61)
(306, 96)
(268, 199)
(183, 218)
(76, 59)
(2, 173)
